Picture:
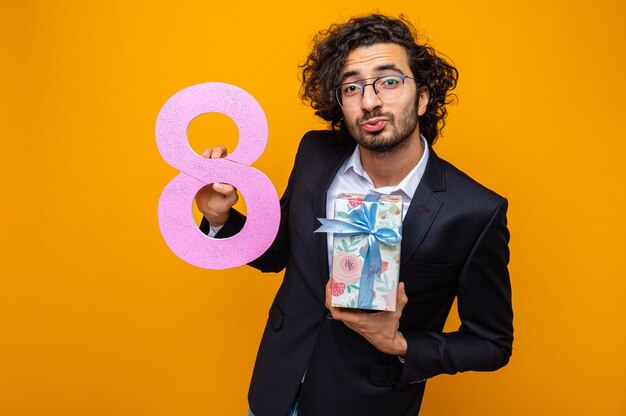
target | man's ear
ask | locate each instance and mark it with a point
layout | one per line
(423, 101)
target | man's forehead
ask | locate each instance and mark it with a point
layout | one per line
(375, 58)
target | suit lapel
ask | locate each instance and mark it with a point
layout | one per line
(424, 207)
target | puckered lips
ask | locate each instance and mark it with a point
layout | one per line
(374, 124)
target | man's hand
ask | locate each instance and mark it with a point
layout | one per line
(215, 199)
(379, 328)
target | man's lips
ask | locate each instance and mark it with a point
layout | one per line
(374, 124)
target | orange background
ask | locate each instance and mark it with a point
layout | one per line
(98, 317)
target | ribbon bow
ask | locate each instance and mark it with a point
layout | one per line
(363, 221)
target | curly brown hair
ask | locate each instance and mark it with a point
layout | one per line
(320, 73)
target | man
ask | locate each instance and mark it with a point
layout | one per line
(384, 96)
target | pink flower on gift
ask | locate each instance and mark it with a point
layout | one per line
(347, 269)
(384, 267)
(337, 287)
(355, 202)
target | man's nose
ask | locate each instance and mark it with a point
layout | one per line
(370, 99)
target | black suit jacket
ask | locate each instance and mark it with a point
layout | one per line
(455, 243)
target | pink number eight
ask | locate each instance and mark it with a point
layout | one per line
(175, 214)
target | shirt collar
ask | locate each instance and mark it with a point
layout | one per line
(407, 185)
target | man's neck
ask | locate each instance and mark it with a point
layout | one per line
(389, 168)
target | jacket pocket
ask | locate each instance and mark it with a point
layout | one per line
(385, 372)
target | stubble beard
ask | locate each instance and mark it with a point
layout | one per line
(384, 142)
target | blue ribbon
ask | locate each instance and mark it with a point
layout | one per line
(363, 221)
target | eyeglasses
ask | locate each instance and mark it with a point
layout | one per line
(388, 88)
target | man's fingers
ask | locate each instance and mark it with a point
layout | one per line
(218, 151)
(215, 152)
(403, 299)
(223, 188)
(229, 192)
(328, 293)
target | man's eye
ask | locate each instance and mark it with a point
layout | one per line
(351, 89)
(389, 82)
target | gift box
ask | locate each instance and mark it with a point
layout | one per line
(367, 230)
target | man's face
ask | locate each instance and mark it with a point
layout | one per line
(376, 125)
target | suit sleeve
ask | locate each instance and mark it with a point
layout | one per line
(485, 337)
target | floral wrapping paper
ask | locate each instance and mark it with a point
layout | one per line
(349, 253)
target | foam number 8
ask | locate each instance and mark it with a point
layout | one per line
(175, 215)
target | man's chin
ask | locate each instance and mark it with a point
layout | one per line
(380, 147)
(366, 139)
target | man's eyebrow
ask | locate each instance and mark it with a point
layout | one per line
(388, 67)
(348, 75)
(380, 68)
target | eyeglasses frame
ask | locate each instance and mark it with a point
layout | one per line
(373, 84)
